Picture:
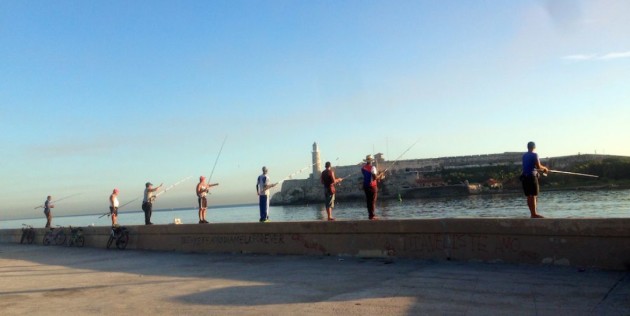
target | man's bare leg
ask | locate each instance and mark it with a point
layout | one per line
(531, 203)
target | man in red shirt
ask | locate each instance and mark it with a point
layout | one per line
(370, 185)
(328, 180)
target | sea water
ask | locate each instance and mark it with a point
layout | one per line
(554, 204)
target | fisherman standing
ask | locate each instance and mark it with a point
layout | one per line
(47, 212)
(147, 201)
(202, 190)
(529, 177)
(328, 180)
(370, 185)
(113, 207)
(263, 184)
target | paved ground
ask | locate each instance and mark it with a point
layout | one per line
(38, 280)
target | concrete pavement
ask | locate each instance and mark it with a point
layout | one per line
(40, 280)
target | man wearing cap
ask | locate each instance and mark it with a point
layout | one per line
(370, 185)
(202, 190)
(113, 207)
(263, 184)
(147, 201)
(329, 180)
(529, 177)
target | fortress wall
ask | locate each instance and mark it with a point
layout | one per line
(588, 243)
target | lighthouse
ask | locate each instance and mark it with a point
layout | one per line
(317, 163)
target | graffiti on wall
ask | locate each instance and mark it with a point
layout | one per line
(476, 243)
(233, 239)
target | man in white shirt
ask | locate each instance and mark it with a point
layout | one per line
(263, 184)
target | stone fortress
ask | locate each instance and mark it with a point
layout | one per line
(409, 178)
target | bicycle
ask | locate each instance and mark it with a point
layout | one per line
(55, 234)
(121, 235)
(28, 234)
(76, 237)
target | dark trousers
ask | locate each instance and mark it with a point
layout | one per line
(48, 218)
(370, 199)
(262, 201)
(147, 207)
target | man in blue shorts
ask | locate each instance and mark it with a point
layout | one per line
(529, 177)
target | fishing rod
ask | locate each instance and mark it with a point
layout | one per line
(400, 156)
(158, 194)
(571, 173)
(217, 160)
(392, 164)
(57, 200)
(108, 213)
(172, 186)
(294, 174)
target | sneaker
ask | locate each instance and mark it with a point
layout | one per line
(149, 223)
(206, 222)
(201, 222)
(266, 221)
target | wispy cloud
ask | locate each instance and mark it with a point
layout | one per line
(616, 55)
(608, 56)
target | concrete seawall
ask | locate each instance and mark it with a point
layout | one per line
(588, 243)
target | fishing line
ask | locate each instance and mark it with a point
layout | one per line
(57, 200)
(217, 160)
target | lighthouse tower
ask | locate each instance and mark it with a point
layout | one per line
(317, 162)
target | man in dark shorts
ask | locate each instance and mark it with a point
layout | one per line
(529, 177)
(47, 206)
(202, 190)
(113, 206)
(328, 180)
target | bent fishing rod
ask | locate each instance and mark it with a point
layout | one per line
(57, 200)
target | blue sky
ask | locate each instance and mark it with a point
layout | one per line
(102, 94)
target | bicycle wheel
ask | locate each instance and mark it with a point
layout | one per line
(80, 241)
(47, 238)
(70, 242)
(122, 241)
(30, 236)
(109, 241)
(60, 238)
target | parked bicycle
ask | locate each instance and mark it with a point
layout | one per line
(28, 234)
(56, 235)
(121, 235)
(76, 237)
